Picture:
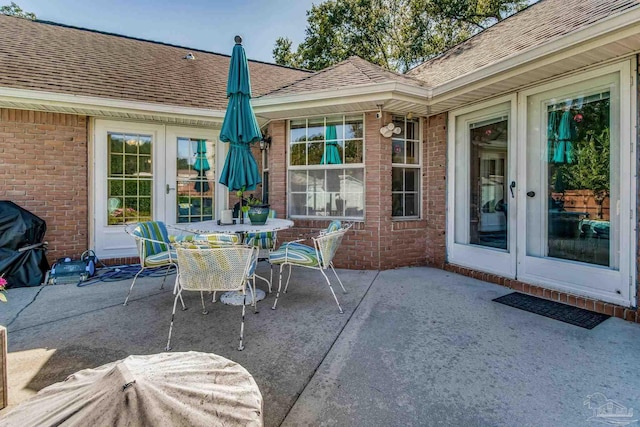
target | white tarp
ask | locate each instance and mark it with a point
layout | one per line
(167, 389)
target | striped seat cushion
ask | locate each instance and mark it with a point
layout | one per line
(181, 238)
(266, 239)
(221, 238)
(159, 259)
(294, 253)
(334, 226)
(154, 230)
(263, 240)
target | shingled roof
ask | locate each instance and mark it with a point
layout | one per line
(538, 24)
(348, 73)
(55, 58)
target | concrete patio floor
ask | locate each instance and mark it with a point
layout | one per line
(415, 346)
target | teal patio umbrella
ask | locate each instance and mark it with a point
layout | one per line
(331, 155)
(566, 133)
(552, 134)
(202, 166)
(240, 127)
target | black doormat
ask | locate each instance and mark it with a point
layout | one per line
(554, 310)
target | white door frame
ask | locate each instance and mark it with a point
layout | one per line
(478, 257)
(221, 196)
(111, 241)
(537, 270)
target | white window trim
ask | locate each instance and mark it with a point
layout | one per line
(405, 165)
(357, 166)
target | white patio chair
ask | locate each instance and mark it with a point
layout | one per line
(220, 240)
(153, 241)
(318, 257)
(220, 269)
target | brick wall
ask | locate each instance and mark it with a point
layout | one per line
(373, 243)
(435, 159)
(43, 168)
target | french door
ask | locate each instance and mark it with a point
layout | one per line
(575, 230)
(556, 208)
(144, 172)
(481, 231)
(191, 189)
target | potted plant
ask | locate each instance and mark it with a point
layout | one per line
(257, 211)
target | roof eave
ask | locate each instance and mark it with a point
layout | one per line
(391, 96)
(600, 33)
(106, 107)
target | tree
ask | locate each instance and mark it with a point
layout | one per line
(395, 34)
(15, 10)
(591, 171)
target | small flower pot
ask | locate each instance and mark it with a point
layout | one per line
(258, 214)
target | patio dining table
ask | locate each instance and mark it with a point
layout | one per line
(209, 227)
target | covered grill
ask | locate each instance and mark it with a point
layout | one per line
(22, 250)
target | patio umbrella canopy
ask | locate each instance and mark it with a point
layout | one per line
(240, 127)
(202, 166)
(331, 155)
(564, 151)
(166, 389)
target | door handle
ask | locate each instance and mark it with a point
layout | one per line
(511, 187)
(168, 188)
(531, 193)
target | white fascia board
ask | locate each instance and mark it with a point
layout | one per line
(362, 93)
(605, 31)
(106, 104)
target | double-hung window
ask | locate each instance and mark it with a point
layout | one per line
(326, 167)
(406, 167)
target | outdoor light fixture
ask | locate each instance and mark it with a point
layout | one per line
(265, 142)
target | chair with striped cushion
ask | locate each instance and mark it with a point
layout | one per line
(217, 240)
(215, 269)
(266, 243)
(153, 242)
(319, 257)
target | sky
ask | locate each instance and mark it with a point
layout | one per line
(200, 24)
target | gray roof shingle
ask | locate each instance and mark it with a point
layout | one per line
(350, 72)
(54, 58)
(538, 24)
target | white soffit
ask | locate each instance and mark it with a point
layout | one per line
(391, 96)
(22, 99)
(571, 53)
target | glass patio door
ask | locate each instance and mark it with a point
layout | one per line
(191, 187)
(484, 193)
(574, 233)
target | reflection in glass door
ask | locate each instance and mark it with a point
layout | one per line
(577, 211)
(488, 187)
(483, 192)
(574, 179)
(194, 180)
(579, 179)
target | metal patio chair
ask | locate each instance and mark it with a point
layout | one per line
(319, 257)
(221, 240)
(153, 241)
(205, 269)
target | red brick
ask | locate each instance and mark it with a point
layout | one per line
(48, 183)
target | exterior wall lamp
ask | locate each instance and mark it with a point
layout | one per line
(265, 142)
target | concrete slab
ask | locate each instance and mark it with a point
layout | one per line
(428, 347)
(416, 346)
(68, 328)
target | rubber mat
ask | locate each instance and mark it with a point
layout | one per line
(554, 310)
